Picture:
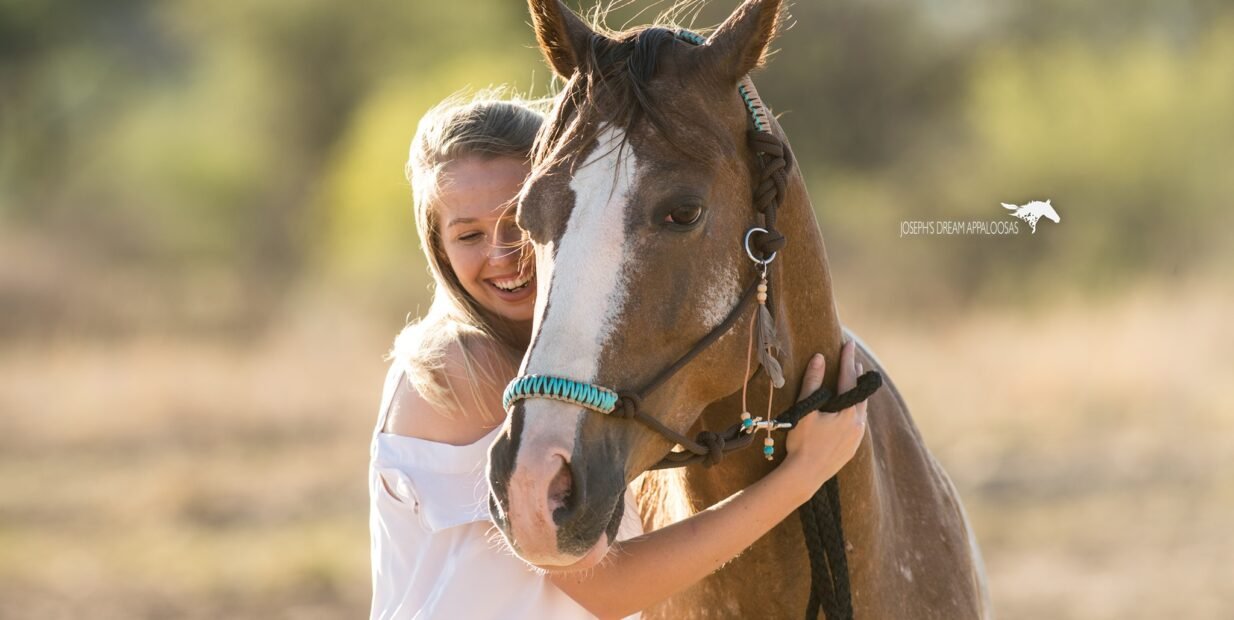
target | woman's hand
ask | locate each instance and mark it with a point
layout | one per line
(822, 443)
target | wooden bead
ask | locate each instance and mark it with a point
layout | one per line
(762, 298)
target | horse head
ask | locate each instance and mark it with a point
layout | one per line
(637, 204)
(1046, 210)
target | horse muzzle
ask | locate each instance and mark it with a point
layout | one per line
(557, 500)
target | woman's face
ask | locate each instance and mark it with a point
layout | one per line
(481, 245)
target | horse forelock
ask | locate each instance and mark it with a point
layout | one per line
(614, 88)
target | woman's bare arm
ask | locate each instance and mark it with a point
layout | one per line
(645, 570)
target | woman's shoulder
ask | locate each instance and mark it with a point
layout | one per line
(461, 414)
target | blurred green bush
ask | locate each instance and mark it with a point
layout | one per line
(259, 147)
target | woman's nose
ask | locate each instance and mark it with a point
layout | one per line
(501, 253)
(505, 246)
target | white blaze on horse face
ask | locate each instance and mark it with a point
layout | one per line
(544, 280)
(583, 287)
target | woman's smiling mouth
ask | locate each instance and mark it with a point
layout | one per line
(513, 287)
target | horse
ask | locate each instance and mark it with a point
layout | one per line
(636, 208)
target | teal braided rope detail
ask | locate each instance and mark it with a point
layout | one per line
(691, 37)
(753, 109)
(589, 395)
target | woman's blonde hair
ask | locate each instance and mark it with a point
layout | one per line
(491, 346)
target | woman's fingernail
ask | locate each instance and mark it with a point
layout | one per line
(817, 360)
(860, 368)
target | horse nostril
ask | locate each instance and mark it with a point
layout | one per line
(561, 491)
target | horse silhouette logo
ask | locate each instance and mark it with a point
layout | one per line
(1034, 211)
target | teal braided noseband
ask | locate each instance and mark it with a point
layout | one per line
(591, 396)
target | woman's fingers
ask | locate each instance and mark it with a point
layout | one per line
(848, 372)
(861, 406)
(850, 369)
(817, 368)
(813, 379)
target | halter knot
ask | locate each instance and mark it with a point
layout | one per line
(768, 144)
(776, 159)
(715, 447)
(627, 407)
(769, 242)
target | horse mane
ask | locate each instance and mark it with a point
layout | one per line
(613, 77)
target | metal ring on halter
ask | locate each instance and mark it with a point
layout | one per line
(750, 252)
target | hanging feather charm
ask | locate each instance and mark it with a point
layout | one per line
(768, 342)
(764, 330)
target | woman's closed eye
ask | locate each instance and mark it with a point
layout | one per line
(510, 231)
(473, 236)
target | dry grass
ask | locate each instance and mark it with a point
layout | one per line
(180, 478)
(188, 479)
(1093, 445)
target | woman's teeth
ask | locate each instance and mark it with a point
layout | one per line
(513, 284)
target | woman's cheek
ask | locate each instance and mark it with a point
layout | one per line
(466, 261)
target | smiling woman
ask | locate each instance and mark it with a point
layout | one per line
(466, 164)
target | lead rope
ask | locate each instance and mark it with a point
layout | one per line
(820, 517)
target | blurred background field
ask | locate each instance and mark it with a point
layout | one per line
(206, 248)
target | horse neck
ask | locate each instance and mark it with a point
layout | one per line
(808, 324)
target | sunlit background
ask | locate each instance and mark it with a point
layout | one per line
(206, 247)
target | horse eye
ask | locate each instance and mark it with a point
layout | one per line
(684, 215)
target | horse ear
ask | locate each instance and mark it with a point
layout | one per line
(563, 36)
(740, 44)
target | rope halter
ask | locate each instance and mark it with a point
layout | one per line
(594, 397)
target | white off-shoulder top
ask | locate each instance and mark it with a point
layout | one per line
(435, 552)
